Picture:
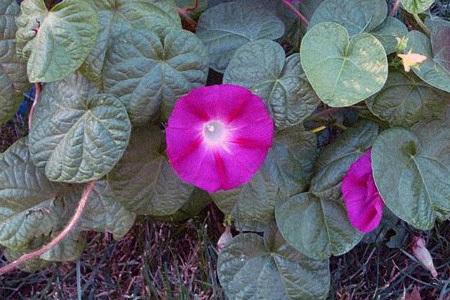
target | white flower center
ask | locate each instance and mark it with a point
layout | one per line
(214, 133)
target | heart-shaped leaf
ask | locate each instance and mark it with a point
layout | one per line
(317, 227)
(416, 6)
(405, 100)
(435, 69)
(56, 41)
(30, 205)
(166, 68)
(335, 159)
(143, 181)
(343, 71)
(13, 78)
(357, 16)
(316, 223)
(388, 32)
(118, 16)
(253, 201)
(253, 267)
(261, 67)
(104, 213)
(286, 170)
(77, 134)
(22, 185)
(225, 27)
(412, 174)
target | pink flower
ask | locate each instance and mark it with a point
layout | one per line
(218, 136)
(363, 202)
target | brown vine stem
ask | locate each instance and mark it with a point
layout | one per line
(37, 93)
(395, 7)
(193, 7)
(296, 12)
(70, 226)
(183, 12)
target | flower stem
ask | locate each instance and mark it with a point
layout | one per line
(421, 24)
(395, 7)
(36, 96)
(296, 12)
(184, 13)
(73, 222)
(194, 7)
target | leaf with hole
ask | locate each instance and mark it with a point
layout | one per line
(56, 42)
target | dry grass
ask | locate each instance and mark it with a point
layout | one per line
(153, 261)
(378, 272)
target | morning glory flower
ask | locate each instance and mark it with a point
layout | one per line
(363, 202)
(218, 136)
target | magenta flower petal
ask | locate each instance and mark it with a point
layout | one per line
(363, 202)
(218, 136)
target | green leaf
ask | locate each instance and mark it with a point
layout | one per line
(253, 201)
(61, 38)
(316, 223)
(291, 159)
(13, 78)
(225, 27)
(144, 69)
(198, 200)
(143, 181)
(357, 16)
(440, 42)
(405, 100)
(317, 226)
(118, 16)
(22, 185)
(434, 70)
(29, 266)
(70, 248)
(343, 71)
(104, 213)
(77, 134)
(253, 267)
(286, 170)
(413, 178)
(416, 6)
(33, 210)
(261, 67)
(335, 160)
(388, 32)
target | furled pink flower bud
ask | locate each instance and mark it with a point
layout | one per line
(421, 252)
(218, 136)
(363, 202)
